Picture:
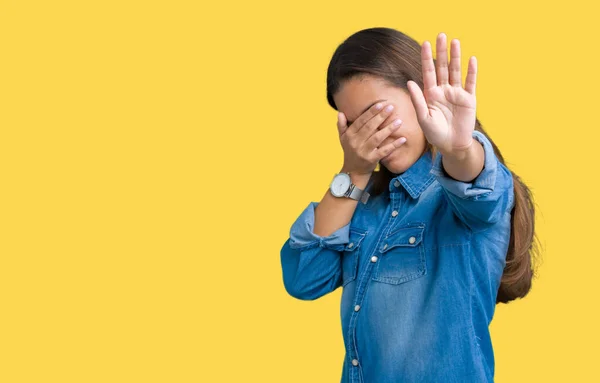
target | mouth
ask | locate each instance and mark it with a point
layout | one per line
(389, 155)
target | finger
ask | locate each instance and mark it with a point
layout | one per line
(364, 118)
(341, 123)
(387, 149)
(418, 100)
(429, 80)
(442, 59)
(455, 74)
(471, 82)
(377, 138)
(373, 124)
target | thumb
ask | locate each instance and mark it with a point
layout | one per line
(418, 100)
(341, 123)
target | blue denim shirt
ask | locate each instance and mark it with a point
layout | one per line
(420, 268)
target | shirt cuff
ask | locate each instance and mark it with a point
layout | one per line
(302, 236)
(482, 185)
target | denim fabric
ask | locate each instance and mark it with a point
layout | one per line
(420, 266)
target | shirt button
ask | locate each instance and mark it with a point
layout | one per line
(351, 245)
(396, 183)
(355, 362)
(374, 258)
(394, 213)
(412, 240)
(357, 307)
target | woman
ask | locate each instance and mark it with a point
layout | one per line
(428, 245)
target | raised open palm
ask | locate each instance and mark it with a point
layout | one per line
(445, 110)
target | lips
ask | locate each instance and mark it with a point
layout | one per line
(393, 151)
(389, 155)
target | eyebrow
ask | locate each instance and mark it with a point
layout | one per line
(348, 122)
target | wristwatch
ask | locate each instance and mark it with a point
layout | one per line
(342, 186)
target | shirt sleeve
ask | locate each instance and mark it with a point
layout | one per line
(311, 264)
(302, 236)
(487, 198)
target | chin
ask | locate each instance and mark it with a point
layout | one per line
(396, 165)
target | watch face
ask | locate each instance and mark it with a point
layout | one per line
(340, 184)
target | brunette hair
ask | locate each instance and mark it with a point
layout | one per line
(395, 57)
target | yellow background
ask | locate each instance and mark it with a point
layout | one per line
(154, 155)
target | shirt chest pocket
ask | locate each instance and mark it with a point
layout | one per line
(350, 255)
(401, 255)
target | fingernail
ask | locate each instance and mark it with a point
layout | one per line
(389, 108)
(379, 106)
(397, 122)
(400, 140)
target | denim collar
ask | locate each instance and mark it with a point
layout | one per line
(416, 178)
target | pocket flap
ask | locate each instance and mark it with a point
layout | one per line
(410, 236)
(356, 237)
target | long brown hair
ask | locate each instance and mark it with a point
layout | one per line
(396, 57)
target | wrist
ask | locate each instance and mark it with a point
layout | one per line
(459, 154)
(464, 165)
(359, 179)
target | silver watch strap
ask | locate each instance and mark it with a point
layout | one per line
(358, 194)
